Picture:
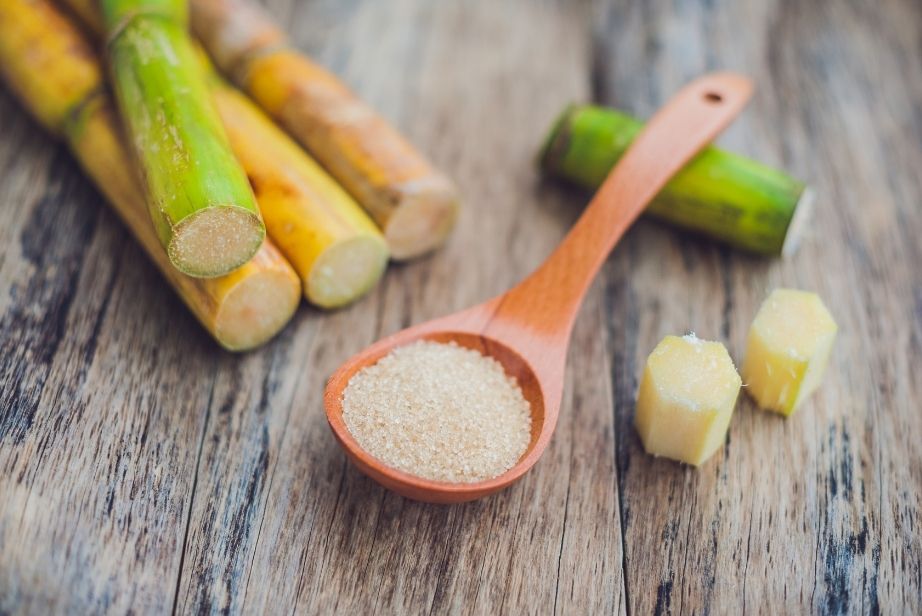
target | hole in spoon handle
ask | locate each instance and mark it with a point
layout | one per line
(713, 97)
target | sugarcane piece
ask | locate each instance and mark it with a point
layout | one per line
(336, 249)
(240, 310)
(199, 198)
(686, 398)
(789, 344)
(414, 205)
(718, 194)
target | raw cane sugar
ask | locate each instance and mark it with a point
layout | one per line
(439, 411)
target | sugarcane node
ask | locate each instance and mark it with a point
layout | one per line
(122, 24)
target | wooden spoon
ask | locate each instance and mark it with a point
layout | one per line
(528, 329)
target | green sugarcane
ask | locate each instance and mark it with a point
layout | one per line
(199, 197)
(718, 194)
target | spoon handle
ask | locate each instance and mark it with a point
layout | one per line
(547, 301)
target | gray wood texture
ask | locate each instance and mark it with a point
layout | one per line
(142, 469)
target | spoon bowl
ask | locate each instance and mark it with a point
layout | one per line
(527, 329)
(418, 488)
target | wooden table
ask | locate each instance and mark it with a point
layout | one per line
(143, 468)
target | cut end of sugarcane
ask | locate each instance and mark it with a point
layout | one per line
(215, 241)
(423, 219)
(256, 309)
(800, 222)
(346, 271)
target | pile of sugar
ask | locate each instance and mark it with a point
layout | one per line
(439, 411)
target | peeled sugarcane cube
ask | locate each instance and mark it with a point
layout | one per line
(687, 395)
(789, 345)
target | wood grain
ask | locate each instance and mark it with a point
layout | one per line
(143, 469)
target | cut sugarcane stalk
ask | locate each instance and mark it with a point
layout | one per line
(42, 57)
(332, 244)
(719, 194)
(413, 204)
(199, 199)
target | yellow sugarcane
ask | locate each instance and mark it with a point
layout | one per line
(47, 63)
(332, 244)
(415, 205)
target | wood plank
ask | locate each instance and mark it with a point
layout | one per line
(815, 513)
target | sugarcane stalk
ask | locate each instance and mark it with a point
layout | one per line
(41, 52)
(718, 194)
(336, 249)
(414, 204)
(199, 199)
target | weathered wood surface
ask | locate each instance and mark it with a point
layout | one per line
(142, 468)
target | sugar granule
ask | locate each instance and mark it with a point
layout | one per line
(439, 411)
